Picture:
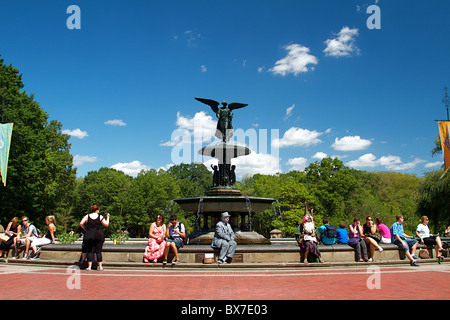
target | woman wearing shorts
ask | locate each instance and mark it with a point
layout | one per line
(423, 232)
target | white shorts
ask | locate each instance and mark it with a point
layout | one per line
(385, 240)
(37, 242)
(23, 241)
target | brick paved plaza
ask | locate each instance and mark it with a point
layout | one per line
(23, 281)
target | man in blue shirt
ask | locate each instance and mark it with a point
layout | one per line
(403, 241)
(323, 234)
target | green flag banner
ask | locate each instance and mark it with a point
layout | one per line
(5, 142)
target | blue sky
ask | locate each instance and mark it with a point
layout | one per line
(318, 82)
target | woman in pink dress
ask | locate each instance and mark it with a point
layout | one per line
(156, 242)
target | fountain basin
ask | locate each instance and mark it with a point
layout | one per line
(210, 208)
(219, 204)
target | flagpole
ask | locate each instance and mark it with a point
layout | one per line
(445, 102)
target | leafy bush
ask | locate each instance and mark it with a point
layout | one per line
(67, 238)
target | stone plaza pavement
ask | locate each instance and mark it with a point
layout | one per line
(365, 281)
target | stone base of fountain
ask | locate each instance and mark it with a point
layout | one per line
(224, 191)
(241, 209)
(241, 237)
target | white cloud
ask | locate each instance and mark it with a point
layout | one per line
(115, 122)
(192, 38)
(320, 155)
(389, 162)
(367, 160)
(131, 168)
(79, 160)
(289, 111)
(298, 164)
(77, 133)
(434, 164)
(201, 128)
(343, 44)
(203, 68)
(296, 61)
(351, 143)
(298, 137)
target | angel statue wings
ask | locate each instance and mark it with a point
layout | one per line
(224, 115)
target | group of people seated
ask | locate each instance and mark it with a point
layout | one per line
(162, 239)
(26, 236)
(366, 238)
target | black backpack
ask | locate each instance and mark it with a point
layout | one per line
(330, 231)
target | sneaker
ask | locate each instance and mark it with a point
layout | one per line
(164, 262)
(370, 259)
(176, 261)
(221, 262)
(415, 257)
(380, 248)
(38, 249)
(35, 257)
(414, 263)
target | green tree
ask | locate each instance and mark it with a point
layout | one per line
(109, 189)
(150, 193)
(40, 170)
(333, 185)
(433, 200)
(194, 179)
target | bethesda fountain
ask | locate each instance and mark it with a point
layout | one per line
(223, 195)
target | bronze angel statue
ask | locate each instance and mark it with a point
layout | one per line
(224, 115)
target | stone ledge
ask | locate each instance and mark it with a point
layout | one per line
(284, 265)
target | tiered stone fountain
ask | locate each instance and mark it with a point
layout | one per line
(224, 196)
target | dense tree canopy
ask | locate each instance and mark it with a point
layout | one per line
(40, 171)
(433, 200)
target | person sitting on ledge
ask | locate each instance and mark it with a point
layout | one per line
(49, 237)
(403, 241)
(423, 232)
(356, 241)
(342, 234)
(308, 244)
(224, 239)
(174, 233)
(327, 232)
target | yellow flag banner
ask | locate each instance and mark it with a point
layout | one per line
(444, 130)
(5, 141)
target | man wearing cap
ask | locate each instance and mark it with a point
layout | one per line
(224, 238)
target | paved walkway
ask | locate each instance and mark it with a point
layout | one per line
(430, 281)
